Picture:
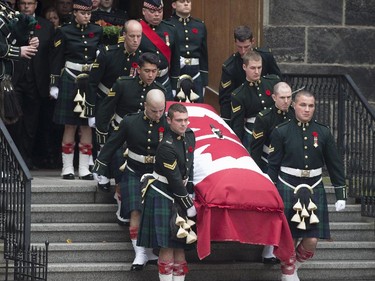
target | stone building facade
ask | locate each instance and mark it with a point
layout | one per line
(325, 37)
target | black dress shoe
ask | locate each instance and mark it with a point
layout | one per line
(137, 267)
(153, 262)
(272, 260)
(105, 187)
(88, 177)
(68, 177)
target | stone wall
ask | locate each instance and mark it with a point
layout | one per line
(320, 36)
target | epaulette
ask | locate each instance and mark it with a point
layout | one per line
(112, 47)
(168, 23)
(160, 86)
(321, 124)
(265, 112)
(262, 50)
(126, 78)
(236, 91)
(168, 139)
(271, 77)
(229, 61)
(283, 124)
(196, 19)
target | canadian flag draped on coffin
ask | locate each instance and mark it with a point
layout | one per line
(235, 201)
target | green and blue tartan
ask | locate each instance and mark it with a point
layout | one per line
(65, 104)
(131, 199)
(154, 230)
(320, 230)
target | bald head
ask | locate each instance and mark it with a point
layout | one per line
(155, 104)
(132, 35)
(282, 95)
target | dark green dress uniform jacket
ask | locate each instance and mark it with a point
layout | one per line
(164, 29)
(265, 122)
(112, 62)
(192, 34)
(76, 43)
(292, 145)
(248, 100)
(127, 95)
(175, 161)
(233, 75)
(142, 137)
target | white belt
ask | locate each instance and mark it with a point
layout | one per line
(117, 118)
(191, 61)
(250, 120)
(78, 66)
(103, 88)
(162, 192)
(141, 158)
(301, 173)
(160, 177)
(162, 72)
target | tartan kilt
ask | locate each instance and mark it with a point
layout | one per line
(130, 187)
(154, 230)
(65, 104)
(320, 230)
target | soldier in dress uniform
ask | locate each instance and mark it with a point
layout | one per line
(251, 97)
(267, 120)
(232, 75)
(74, 52)
(112, 62)
(161, 38)
(193, 45)
(142, 131)
(127, 95)
(299, 149)
(172, 177)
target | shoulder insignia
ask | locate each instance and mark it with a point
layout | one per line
(271, 77)
(168, 142)
(111, 93)
(283, 124)
(271, 149)
(226, 84)
(125, 78)
(235, 109)
(262, 50)
(170, 166)
(57, 43)
(257, 135)
(168, 23)
(324, 125)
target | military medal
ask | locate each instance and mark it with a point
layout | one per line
(161, 133)
(133, 69)
(166, 35)
(315, 135)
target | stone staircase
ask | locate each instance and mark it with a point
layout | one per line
(86, 243)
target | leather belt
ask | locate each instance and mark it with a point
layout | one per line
(78, 66)
(162, 72)
(160, 177)
(148, 159)
(301, 173)
(191, 61)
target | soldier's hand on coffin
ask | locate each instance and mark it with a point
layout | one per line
(191, 212)
(54, 92)
(340, 205)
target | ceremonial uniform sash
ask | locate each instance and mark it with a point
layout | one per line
(156, 40)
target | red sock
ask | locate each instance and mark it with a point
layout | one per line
(133, 230)
(165, 267)
(180, 268)
(303, 254)
(288, 267)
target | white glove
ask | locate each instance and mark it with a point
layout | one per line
(92, 122)
(191, 212)
(182, 62)
(173, 93)
(54, 92)
(340, 205)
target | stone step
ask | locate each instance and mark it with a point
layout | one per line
(73, 213)
(312, 270)
(220, 252)
(105, 212)
(112, 232)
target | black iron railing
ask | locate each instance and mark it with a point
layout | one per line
(15, 213)
(341, 105)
